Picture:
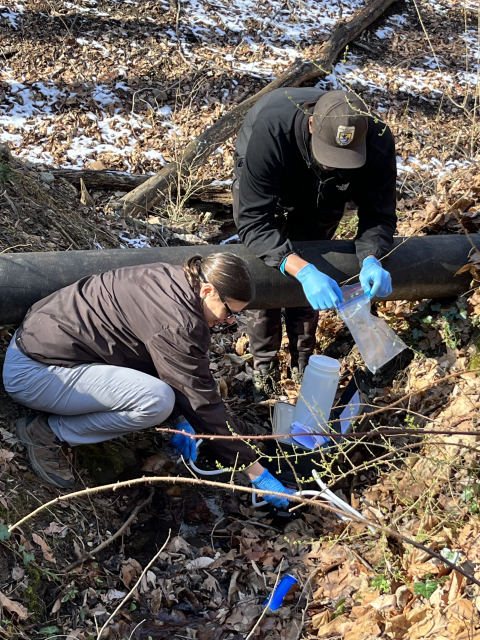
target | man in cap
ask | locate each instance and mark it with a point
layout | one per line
(301, 155)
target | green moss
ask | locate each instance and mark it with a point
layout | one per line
(30, 596)
(106, 460)
(474, 363)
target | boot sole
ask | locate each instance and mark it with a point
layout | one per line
(21, 431)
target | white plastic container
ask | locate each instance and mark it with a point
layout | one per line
(317, 393)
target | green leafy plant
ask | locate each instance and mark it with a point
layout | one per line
(426, 589)
(27, 557)
(5, 172)
(381, 583)
(339, 608)
(4, 533)
(48, 631)
(469, 495)
(70, 595)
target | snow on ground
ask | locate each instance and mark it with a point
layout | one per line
(256, 38)
(429, 76)
(272, 29)
(12, 16)
(108, 92)
(28, 108)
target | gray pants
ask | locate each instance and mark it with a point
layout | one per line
(90, 402)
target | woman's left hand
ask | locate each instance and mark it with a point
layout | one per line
(182, 442)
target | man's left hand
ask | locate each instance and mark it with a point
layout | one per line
(374, 279)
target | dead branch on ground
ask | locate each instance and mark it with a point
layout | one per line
(233, 487)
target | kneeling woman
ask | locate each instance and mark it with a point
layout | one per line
(116, 352)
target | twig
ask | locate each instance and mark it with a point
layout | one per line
(135, 585)
(11, 204)
(16, 246)
(304, 613)
(395, 431)
(234, 487)
(90, 555)
(264, 612)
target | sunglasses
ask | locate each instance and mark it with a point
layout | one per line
(231, 314)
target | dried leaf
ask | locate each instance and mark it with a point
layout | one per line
(223, 388)
(56, 606)
(339, 626)
(131, 569)
(18, 573)
(85, 197)
(45, 548)
(115, 594)
(13, 607)
(56, 530)
(156, 463)
(200, 563)
(321, 619)
(6, 455)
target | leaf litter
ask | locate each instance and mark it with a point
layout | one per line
(126, 85)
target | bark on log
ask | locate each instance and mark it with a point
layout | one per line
(150, 193)
(423, 267)
(101, 179)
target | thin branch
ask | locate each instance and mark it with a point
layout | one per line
(135, 585)
(232, 487)
(91, 554)
(264, 612)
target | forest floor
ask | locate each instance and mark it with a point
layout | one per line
(124, 85)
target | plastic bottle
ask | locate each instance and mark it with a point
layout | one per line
(317, 393)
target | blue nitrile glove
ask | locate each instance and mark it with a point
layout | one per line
(266, 482)
(185, 445)
(321, 291)
(374, 279)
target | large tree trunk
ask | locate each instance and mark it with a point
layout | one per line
(144, 197)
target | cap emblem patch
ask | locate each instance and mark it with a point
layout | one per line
(345, 135)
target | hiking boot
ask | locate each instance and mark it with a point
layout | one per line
(45, 451)
(265, 381)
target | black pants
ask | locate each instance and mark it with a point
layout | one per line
(264, 326)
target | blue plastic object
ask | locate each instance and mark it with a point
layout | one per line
(321, 291)
(275, 600)
(185, 445)
(374, 279)
(266, 482)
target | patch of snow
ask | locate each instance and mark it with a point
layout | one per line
(386, 32)
(12, 16)
(135, 243)
(151, 154)
(279, 30)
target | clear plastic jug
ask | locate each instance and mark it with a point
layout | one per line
(317, 393)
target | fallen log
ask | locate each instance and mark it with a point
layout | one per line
(151, 192)
(421, 267)
(106, 179)
(101, 179)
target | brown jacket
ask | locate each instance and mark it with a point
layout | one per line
(146, 318)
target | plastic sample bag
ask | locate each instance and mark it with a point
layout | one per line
(377, 343)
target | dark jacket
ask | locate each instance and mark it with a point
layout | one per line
(273, 164)
(146, 318)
